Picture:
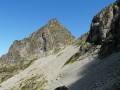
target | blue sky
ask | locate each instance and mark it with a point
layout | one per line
(19, 18)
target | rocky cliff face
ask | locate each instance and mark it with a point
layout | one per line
(105, 30)
(51, 37)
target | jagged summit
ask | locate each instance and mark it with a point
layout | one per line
(53, 22)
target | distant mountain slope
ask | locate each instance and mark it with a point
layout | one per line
(49, 39)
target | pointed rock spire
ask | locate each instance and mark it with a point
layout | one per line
(53, 22)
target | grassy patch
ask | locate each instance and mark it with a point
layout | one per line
(72, 59)
(80, 41)
(8, 71)
(23, 66)
(33, 83)
(7, 68)
(5, 76)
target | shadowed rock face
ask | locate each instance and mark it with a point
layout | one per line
(53, 36)
(105, 30)
(101, 25)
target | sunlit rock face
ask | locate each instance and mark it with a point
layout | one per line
(49, 39)
(52, 36)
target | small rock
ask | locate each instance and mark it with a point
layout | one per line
(61, 88)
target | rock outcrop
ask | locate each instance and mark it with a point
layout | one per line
(105, 30)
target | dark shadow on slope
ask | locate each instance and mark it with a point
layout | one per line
(106, 49)
(99, 73)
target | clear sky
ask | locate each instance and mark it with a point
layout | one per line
(19, 18)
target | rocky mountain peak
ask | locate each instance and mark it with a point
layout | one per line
(52, 36)
(49, 39)
(53, 22)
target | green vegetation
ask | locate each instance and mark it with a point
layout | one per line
(80, 43)
(5, 76)
(8, 68)
(82, 39)
(34, 83)
(72, 59)
(25, 65)
(8, 71)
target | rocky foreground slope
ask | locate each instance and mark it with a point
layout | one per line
(50, 58)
